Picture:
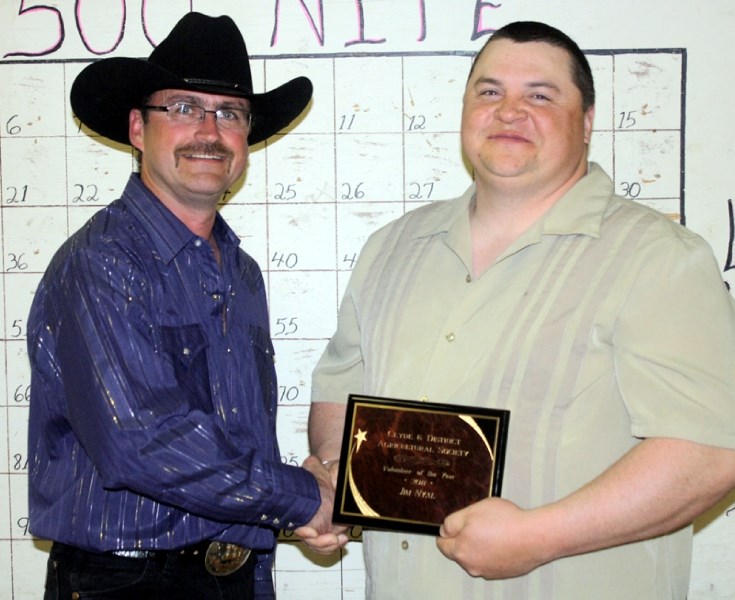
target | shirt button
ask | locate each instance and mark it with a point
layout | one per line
(198, 243)
(215, 296)
(404, 545)
(468, 279)
(276, 521)
(234, 410)
(450, 337)
(423, 399)
(186, 352)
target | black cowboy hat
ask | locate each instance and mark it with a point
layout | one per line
(202, 53)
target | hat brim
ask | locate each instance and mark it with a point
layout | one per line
(103, 94)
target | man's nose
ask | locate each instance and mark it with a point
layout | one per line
(511, 109)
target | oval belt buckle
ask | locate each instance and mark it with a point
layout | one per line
(223, 558)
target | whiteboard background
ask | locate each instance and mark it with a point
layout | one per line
(382, 127)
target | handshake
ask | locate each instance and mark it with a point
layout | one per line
(320, 534)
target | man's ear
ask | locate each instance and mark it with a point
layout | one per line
(589, 118)
(136, 125)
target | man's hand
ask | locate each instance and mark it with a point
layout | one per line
(320, 534)
(631, 501)
(492, 538)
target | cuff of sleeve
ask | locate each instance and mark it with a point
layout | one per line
(297, 500)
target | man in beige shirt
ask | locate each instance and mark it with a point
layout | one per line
(601, 325)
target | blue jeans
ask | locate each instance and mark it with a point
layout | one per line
(77, 574)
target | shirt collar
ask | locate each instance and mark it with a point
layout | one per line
(580, 211)
(167, 233)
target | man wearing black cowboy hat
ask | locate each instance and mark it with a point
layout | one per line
(154, 465)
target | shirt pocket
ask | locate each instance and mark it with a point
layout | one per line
(263, 354)
(187, 346)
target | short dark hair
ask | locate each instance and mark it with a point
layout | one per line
(533, 31)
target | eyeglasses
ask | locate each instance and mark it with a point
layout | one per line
(189, 114)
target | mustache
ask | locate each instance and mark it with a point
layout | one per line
(213, 148)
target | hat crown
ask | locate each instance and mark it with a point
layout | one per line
(206, 50)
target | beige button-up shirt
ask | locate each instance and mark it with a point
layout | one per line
(602, 324)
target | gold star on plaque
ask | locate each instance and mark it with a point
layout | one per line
(360, 436)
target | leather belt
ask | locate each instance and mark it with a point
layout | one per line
(220, 558)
